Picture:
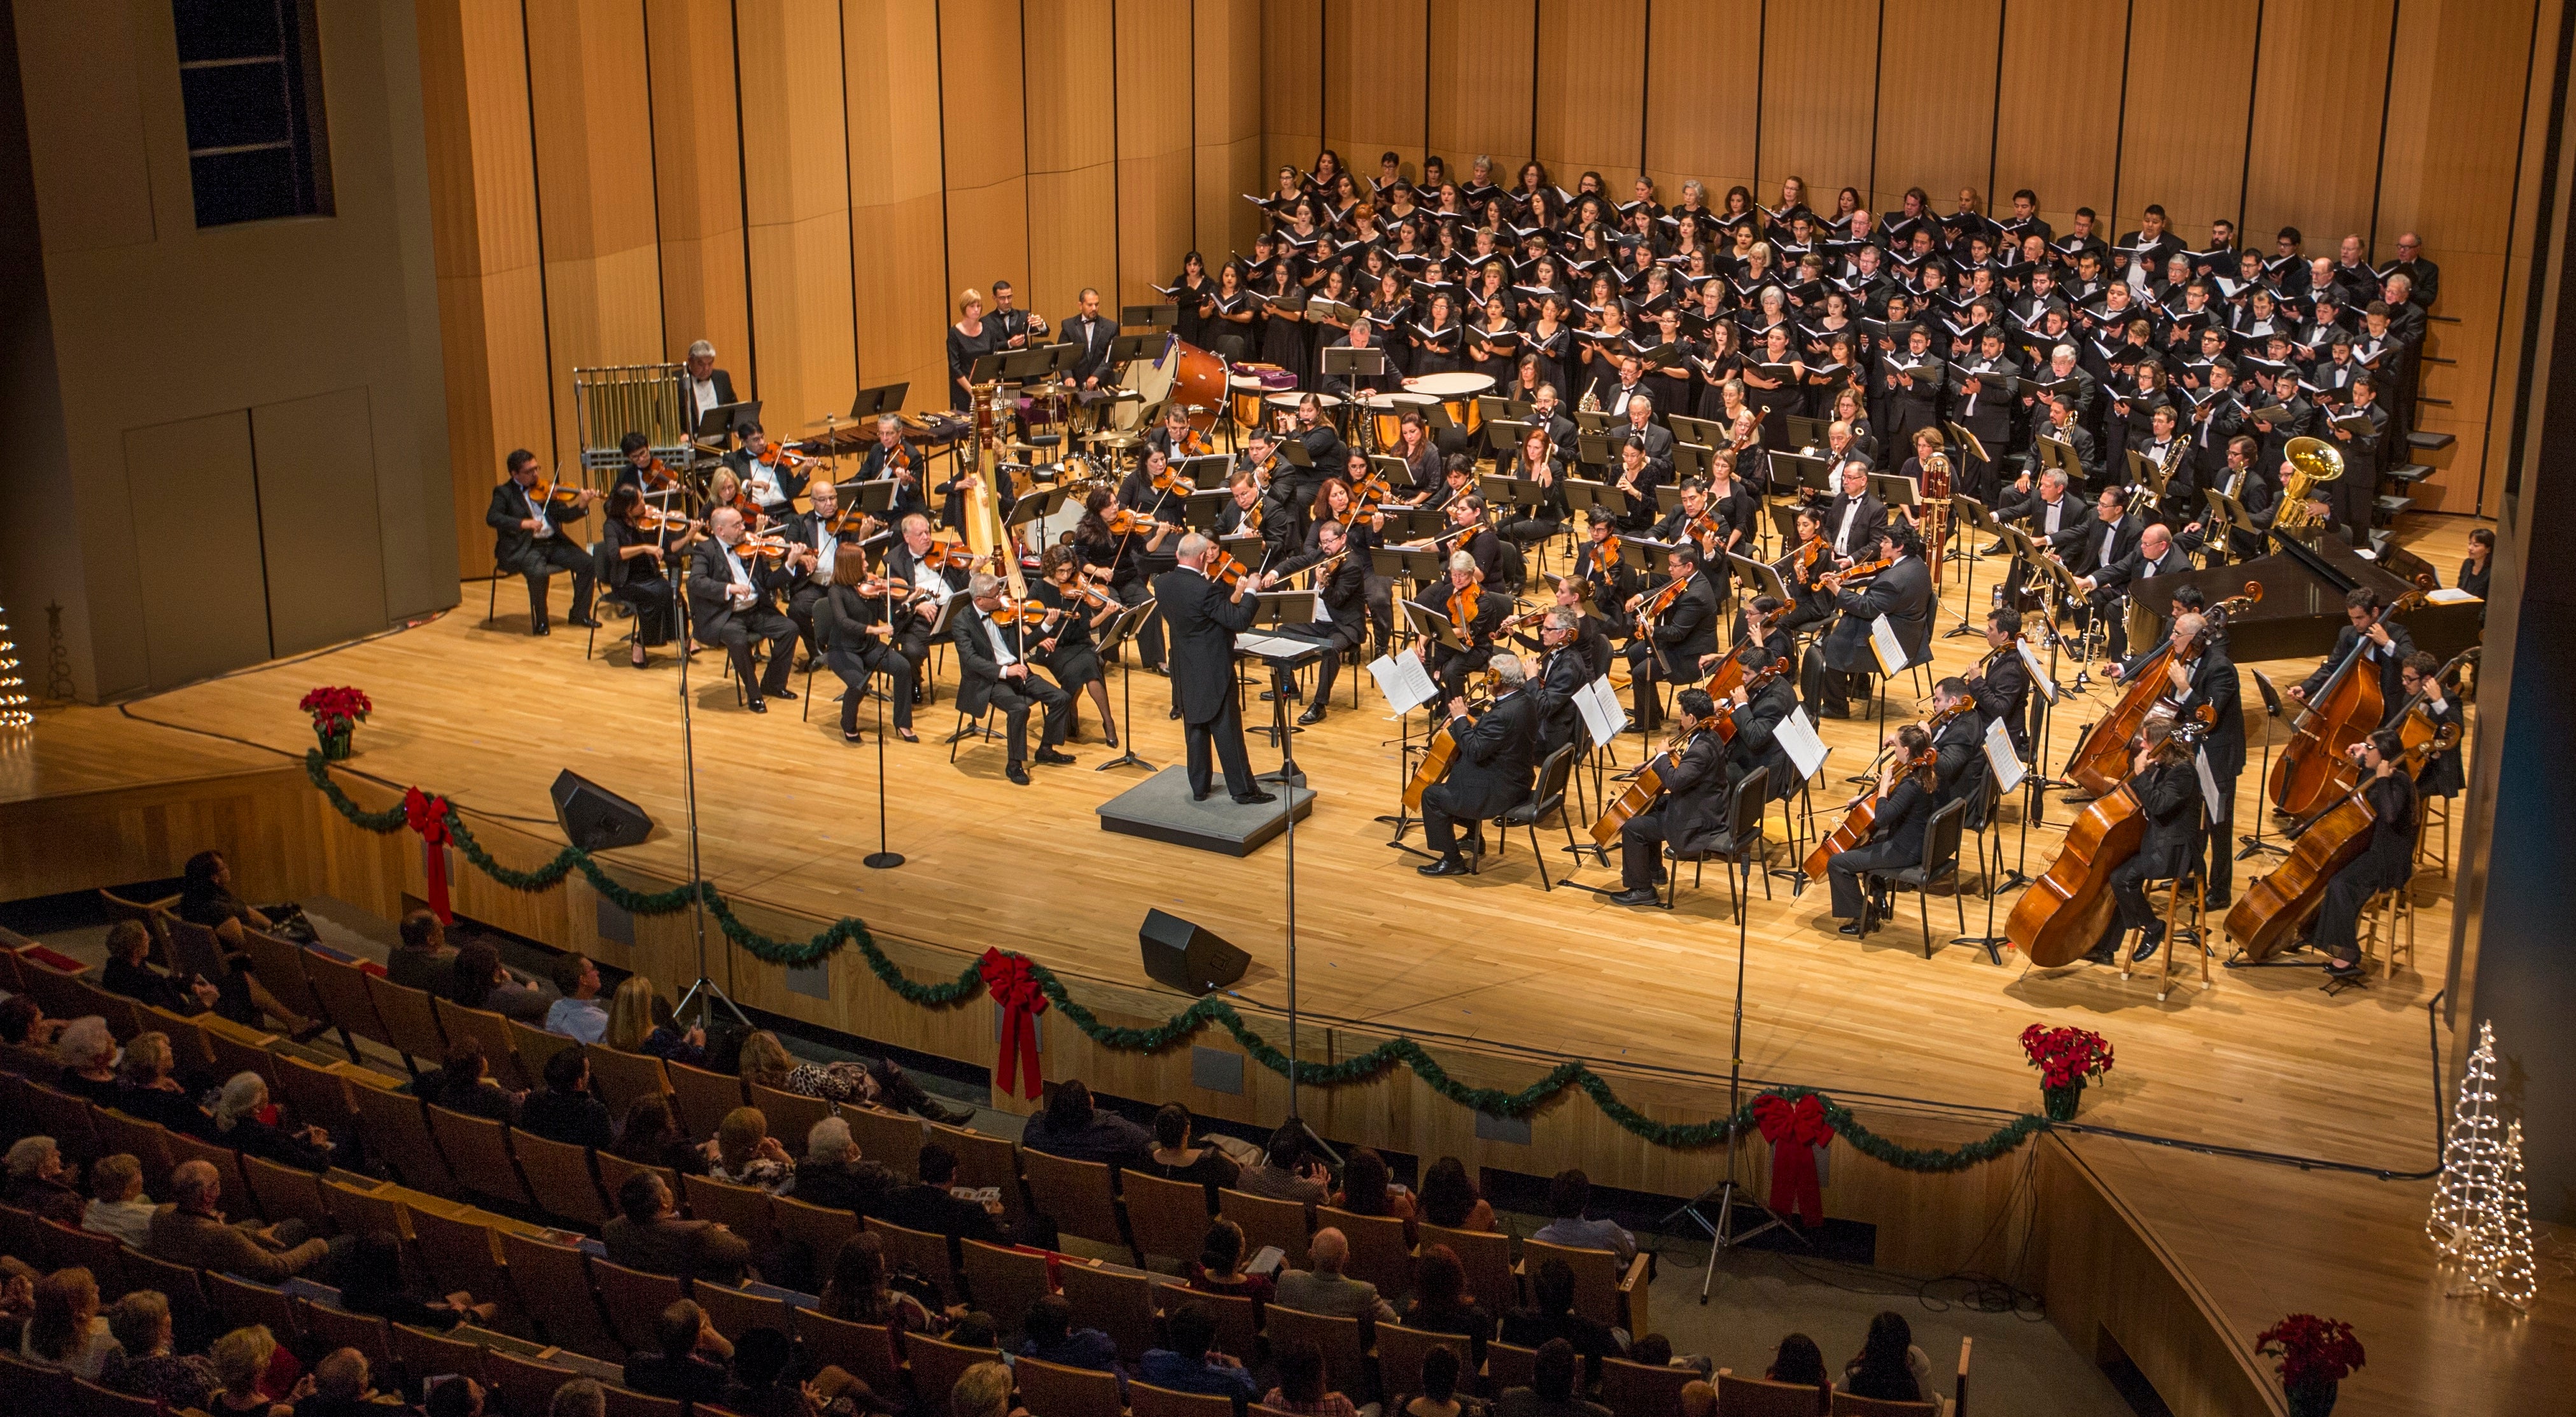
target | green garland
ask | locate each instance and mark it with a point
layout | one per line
(1183, 1025)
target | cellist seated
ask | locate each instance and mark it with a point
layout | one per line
(2168, 791)
(1692, 808)
(1904, 792)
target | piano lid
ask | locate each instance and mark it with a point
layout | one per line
(2304, 581)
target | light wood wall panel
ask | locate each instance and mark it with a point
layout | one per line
(1703, 66)
(1225, 45)
(1374, 63)
(2321, 76)
(697, 183)
(1591, 91)
(898, 219)
(796, 206)
(483, 228)
(1292, 86)
(2182, 133)
(593, 130)
(2060, 139)
(1936, 100)
(1817, 61)
(1482, 67)
(1073, 155)
(1157, 209)
(983, 134)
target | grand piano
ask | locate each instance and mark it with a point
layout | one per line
(2304, 580)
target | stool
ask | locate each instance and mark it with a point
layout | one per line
(2187, 888)
(2396, 909)
(2427, 812)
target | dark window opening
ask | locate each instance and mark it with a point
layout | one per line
(250, 81)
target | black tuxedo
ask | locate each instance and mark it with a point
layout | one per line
(788, 481)
(2002, 691)
(1202, 619)
(1959, 765)
(912, 625)
(2389, 661)
(907, 499)
(1658, 442)
(716, 621)
(1343, 595)
(2169, 797)
(1497, 754)
(1093, 333)
(1843, 665)
(1565, 674)
(1861, 542)
(2105, 546)
(1344, 385)
(1895, 842)
(1757, 744)
(982, 687)
(1670, 653)
(718, 380)
(1692, 810)
(536, 558)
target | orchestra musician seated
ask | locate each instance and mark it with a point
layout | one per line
(861, 643)
(1757, 715)
(731, 604)
(2167, 787)
(1692, 809)
(1341, 607)
(993, 674)
(528, 537)
(768, 474)
(816, 548)
(1677, 624)
(926, 591)
(1475, 616)
(1497, 754)
(1840, 669)
(636, 556)
(1904, 790)
(2385, 863)
(895, 457)
(1564, 671)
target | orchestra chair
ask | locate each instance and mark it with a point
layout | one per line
(226, 1161)
(342, 989)
(478, 1156)
(279, 964)
(1282, 1225)
(969, 726)
(864, 1351)
(1760, 1397)
(192, 1321)
(743, 1208)
(2181, 892)
(620, 1078)
(820, 1231)
(1166, 1218)
(701, 1098)
(624, 1402)
(1147, 1400)
(2428, 811)
(145, 1141)
(459, 1023)
(736, 1312)
(1940, 866)
(892, 1140)
(936, 1366)
(1507, 1367)
(1379, 1252)
(633, 1301)
(459, 1254)
(522, 1384)
(1604, 1290)
(1115, 1300)
(926, 1254)
(1547, 800)
(1004, 1281)
(1345, 1344)
(43, 1388)
(1743, 846)
(332, 1328)
(981, 1161)
(411, 1021)
(64, 1247)
(826, 620)
(1075, 1197)
(1238, 1318)
(1486, 1256)
(240, 1304)
(1643, 1389)
(568, 1313)
(560, 1175)
(602, 601)
(1050, 1391)
(1400, 1352)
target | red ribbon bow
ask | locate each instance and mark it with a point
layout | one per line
(1007, 978)
(427, 815)
(1795, 1130)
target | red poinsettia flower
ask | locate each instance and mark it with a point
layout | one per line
(2312, 1350)
(2065, 1056)
(336, 709)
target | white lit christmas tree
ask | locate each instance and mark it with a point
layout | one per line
(2481, 1218)
(13, 688)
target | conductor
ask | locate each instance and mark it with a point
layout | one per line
(1202, 621)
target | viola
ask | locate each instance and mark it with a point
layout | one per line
(657, 476)
(2278, 906)
(1663, 599)
(2102, 755)
(875, 586)
(1462, 607)
(1856, 825)
(1725, 721)
(659, 519)
(947, 556)
(1807, 555)
(2341, 713)
(1021, 612)
(1170, 480)
(555, 494)
(1123, 522)
(1225, 570)
(767, 548)
(850, 521)
(1082, 592)
(1860, 571)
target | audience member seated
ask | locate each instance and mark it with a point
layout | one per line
(247, 1365)
(565, 1110)
(1568, 1197)
(374, 1285)
(144, 1366)
(1888, 1367)
(465, 1085)
(1449, 1199)
(1070, 1127)
(244, 1119)
(67, 1331)
(1368, 1190)
(455, 1395)
(1303, 1388)
(146, 1090)
(983, 1390)
(581, 1397)
(652, 1137)
(1552, 1316)
(693, 1364)
(1441, 1303)
(27, 1040)
(476, 980)
(833, 1174)
(129, 943)
(1801, 1362)
(579, 1013)
(1286, 1173)
(1439, 1396)
(929, 1206)
(743, 1153)
(1048, 1334)
(765, 1383)
(1188, 1366)
(648, 1234)
(87, 1052)
(190, 1229)
(117, 1205)
(40, 1184)
(1699, 1399)
(1656, 1351)
(974, 1328)
(1219, 1267)
(423, 960)
(342, 1387)
(206, 898)
(1174, 1158)
(883, 1083)
(632, 1029)
(1551, 1392)
(1324, 1289)
(861, 1293)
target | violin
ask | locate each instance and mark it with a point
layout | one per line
(659, 519)
(767, 548)
(1021, 612)
(1860, 571)
(1225, 570)
(1663, 599)
(1807, 555)
(946, 556)
(657, 476)
(850, 521)
(1170, 479)
(1082, 592)
(555, 494)
(1193, 444)
(1462, 607)
(875, 586)
(1605, 554)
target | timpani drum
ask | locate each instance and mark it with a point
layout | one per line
(1457, 394)
(1198, 381)
(1253, 383)
(1283, 408)
(1389, 411)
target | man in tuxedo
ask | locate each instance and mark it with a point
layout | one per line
(1840, 669)
(730, 604)
(528, 537)
(807, 575)
(1853, 516)
(1014, 328)
(1670, 652)
(1691, 811)
(1201, 619)
(2382, 644)
(1092, 333)
(1630, 387)
(2424, 279)
(2253, 488)
(2001, 682)
(709, 387)
(2200, 676)
(993, 673)
(893, 456)
(1982, 403)
(766, 475)
(1958, 750)
(1642, 430)
(1545, 413)
(1357, 387)
(2065, 426)
(1562, 677)
(1496, 754)
(1341, 608)
(929, 591)
(2151, 242)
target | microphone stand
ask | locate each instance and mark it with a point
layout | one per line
(884, 858)
(702, 985)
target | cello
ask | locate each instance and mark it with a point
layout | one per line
(2341, 713)
(1644, 786)
(1439, 753)
(1863, 816)
(2101, 757)
(2063, 913)
(2273, 911)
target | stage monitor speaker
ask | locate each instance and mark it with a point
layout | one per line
(594, 818)
(1186, 956)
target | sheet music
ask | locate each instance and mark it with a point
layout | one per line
(2450, 595)
(1890, 650)
(1604, 717)
(2001, 760)
(1403, 680)
(2209, 792)
(2039, 679)
(1273, 646)
(1796, 736)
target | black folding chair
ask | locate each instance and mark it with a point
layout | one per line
(1940, 866)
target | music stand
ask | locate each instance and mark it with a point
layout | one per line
(1764, 576)
(2255, 845)
(1156, 317)
(883, 399)
(1114, 636)
(1973, 516)
(718, 423)
(1895, 489)
(1278, 608)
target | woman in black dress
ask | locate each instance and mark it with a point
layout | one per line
(1230, 315)
(1392, 311)
(1719, 365)
(1493, 344)
(1066, 649)
(1550, 343)
(862, 646)
(1777, 398)
(2385, 863)
(1322, 330)
(1191, 290)
(635, 571)
(1283, 330)
(968, 341)
(1438, 342)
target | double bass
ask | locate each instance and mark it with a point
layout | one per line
(2341, 713)
(2063, 913)
(2273, 911)
(2101, 757)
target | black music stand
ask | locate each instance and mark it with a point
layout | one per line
(883, 399)
(2255, 845)
(1971, 514)
(1283, 665)
(1114, 636)
(1351, 366)
(720, 422)
(1156, 318)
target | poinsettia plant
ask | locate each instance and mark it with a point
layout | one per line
(336, 709)
(2312, 1350)
(2065, 1056)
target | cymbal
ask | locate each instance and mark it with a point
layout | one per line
(1115, 440)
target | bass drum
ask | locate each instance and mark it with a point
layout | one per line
(1457, 395)
(1197, 381)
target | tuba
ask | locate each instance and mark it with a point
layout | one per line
(2314, 462)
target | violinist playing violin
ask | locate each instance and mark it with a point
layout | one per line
(1676, 624)
(1497, 755)
(1904, 791)
(1804, 568)
(528, 537)
(859, 642)
(637, 551)
(1591, 638)
(1341, 605)
(1613, 581)
(818, 546)
(930, 588)
(1958, 748)
(1757, 715)
(731, 604)
(2167, 787)
(2200, 679)
(1176, 439)
(1475, 616)
(2387, 862)
(1248, 513)
(1467, 531)
(893, 457)
(993, 674)
(1691, 811)
(1065, 647)
(643, 471)
(769, 476)
(1841, 667)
